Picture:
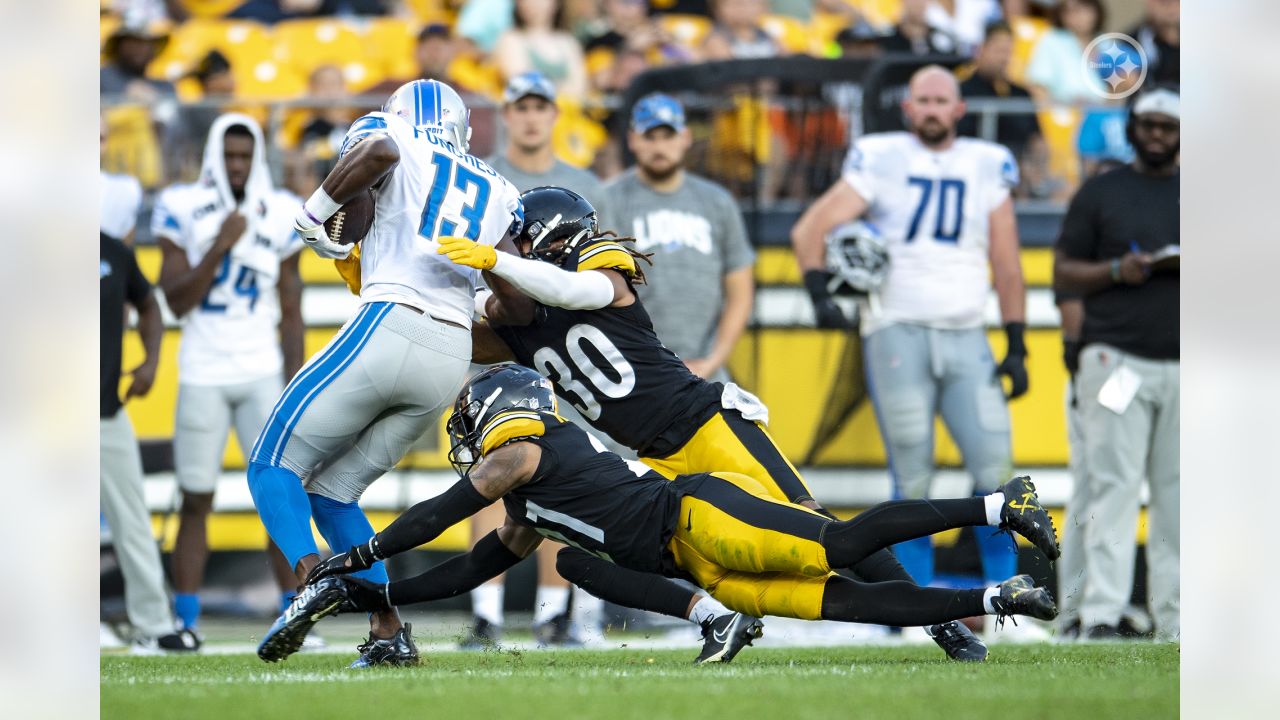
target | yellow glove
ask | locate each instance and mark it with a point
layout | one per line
(467, 252)
(349, 269)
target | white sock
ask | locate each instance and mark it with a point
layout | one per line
(588, 609)
(990, 593)
(994, 502)
(486, 602)
(708, 608)
(549, 602)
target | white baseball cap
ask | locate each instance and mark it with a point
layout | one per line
(1162, 100)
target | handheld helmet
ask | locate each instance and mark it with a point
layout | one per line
(552, 214)
(433, 105)
(857, 258)
(502, 387)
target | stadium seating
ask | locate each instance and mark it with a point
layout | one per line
(792, 34)
(687, 30)
(243, 43)
(304, 45)
(389, 42)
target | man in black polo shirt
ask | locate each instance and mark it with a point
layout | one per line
(119, 462)
(1117, 232)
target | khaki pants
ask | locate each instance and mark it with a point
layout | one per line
(1122, 449)
(126, 510)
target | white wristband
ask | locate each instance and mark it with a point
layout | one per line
(320, 207)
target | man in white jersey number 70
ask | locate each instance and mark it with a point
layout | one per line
(357, 406)
(942, 204)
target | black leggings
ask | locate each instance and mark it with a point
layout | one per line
(897, 603)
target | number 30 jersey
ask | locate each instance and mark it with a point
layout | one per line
(434, 190)
(932, 208)
(610, 365)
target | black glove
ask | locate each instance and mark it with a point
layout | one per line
(359, 557)
(825, 310)
(1071, 354)
(1014, 365)
(364, 596)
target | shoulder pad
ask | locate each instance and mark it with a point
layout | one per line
(509, 426)
(605, 253)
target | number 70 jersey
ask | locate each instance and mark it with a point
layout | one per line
(435, 190)
(933, 209)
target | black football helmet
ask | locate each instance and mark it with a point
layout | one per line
(502, 387)
(552, 214)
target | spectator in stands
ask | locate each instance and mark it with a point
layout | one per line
(987, 77)
(213, 72)
(312, 137)
(217, 82)
(1160, 34)
(700, 290)
(859, 40)
(128, 51)
(629, 30)
(273, 11)
(1054, 70)
(482, 22)
(738, 33)
(537, 41)
(915, 34)
(965, 21)
(433, 54)
(1127, 384)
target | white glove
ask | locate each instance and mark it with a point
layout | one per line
(314, 235)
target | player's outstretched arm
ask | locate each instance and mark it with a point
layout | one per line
(541, 281)
(499, 472)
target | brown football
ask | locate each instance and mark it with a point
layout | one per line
(352, 221)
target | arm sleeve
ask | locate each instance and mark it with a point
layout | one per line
(1078, 238)
(858, 171)
(550, 285)
(737, 252)
(488, 559)
(426, 520)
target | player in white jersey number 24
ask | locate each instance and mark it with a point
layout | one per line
(942, 205)
(357, 406)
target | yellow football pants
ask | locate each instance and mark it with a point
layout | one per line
(730, 443)
(752, 552)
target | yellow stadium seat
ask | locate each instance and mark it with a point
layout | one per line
(360, 75)
(132, 145)
(688, 30)
(268, 80)
(304, 45)
(790, 33)
(825, 26)
(1026, 35)
(878, 12)
(1059, 127)
(390, 42)
(244, 43)
(430, 11)
(576, 137)
(209, 8)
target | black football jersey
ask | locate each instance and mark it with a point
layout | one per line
(587, 497)
(610, 366)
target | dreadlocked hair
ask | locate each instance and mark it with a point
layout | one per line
(627, 244)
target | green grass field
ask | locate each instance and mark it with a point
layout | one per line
(1041, 681)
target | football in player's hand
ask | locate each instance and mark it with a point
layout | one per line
(352, 221)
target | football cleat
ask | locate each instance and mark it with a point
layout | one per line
(482, 635)
(725, 636)
(184, 640)
(1018, 596)
(957, 641)
(289, 631)
(397, 650)
(556, 632)
(1023, 513)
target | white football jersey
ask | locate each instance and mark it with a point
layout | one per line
(933, 209)
(434, 190)
(121, 198)
(232, 336)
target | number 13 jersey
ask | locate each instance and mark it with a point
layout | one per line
(933, 209)
(610, 365)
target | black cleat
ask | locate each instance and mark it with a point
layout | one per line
(287, 633)
(556, 632)
(957, 641)
(482, 635)
(1018, 596)
(725, 636)
(397, 650)
(1023, 513)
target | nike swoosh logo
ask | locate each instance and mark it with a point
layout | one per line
(723, 637)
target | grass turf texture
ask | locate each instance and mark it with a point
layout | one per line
(1042, 681)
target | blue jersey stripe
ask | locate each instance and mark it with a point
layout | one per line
(288, 399)
(334, 370)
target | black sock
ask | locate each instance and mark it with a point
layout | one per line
(620, 586)
(851, 541)
(897, 603)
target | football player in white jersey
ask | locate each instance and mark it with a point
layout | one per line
(230, 272)
(942, 204)
(354, 410)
